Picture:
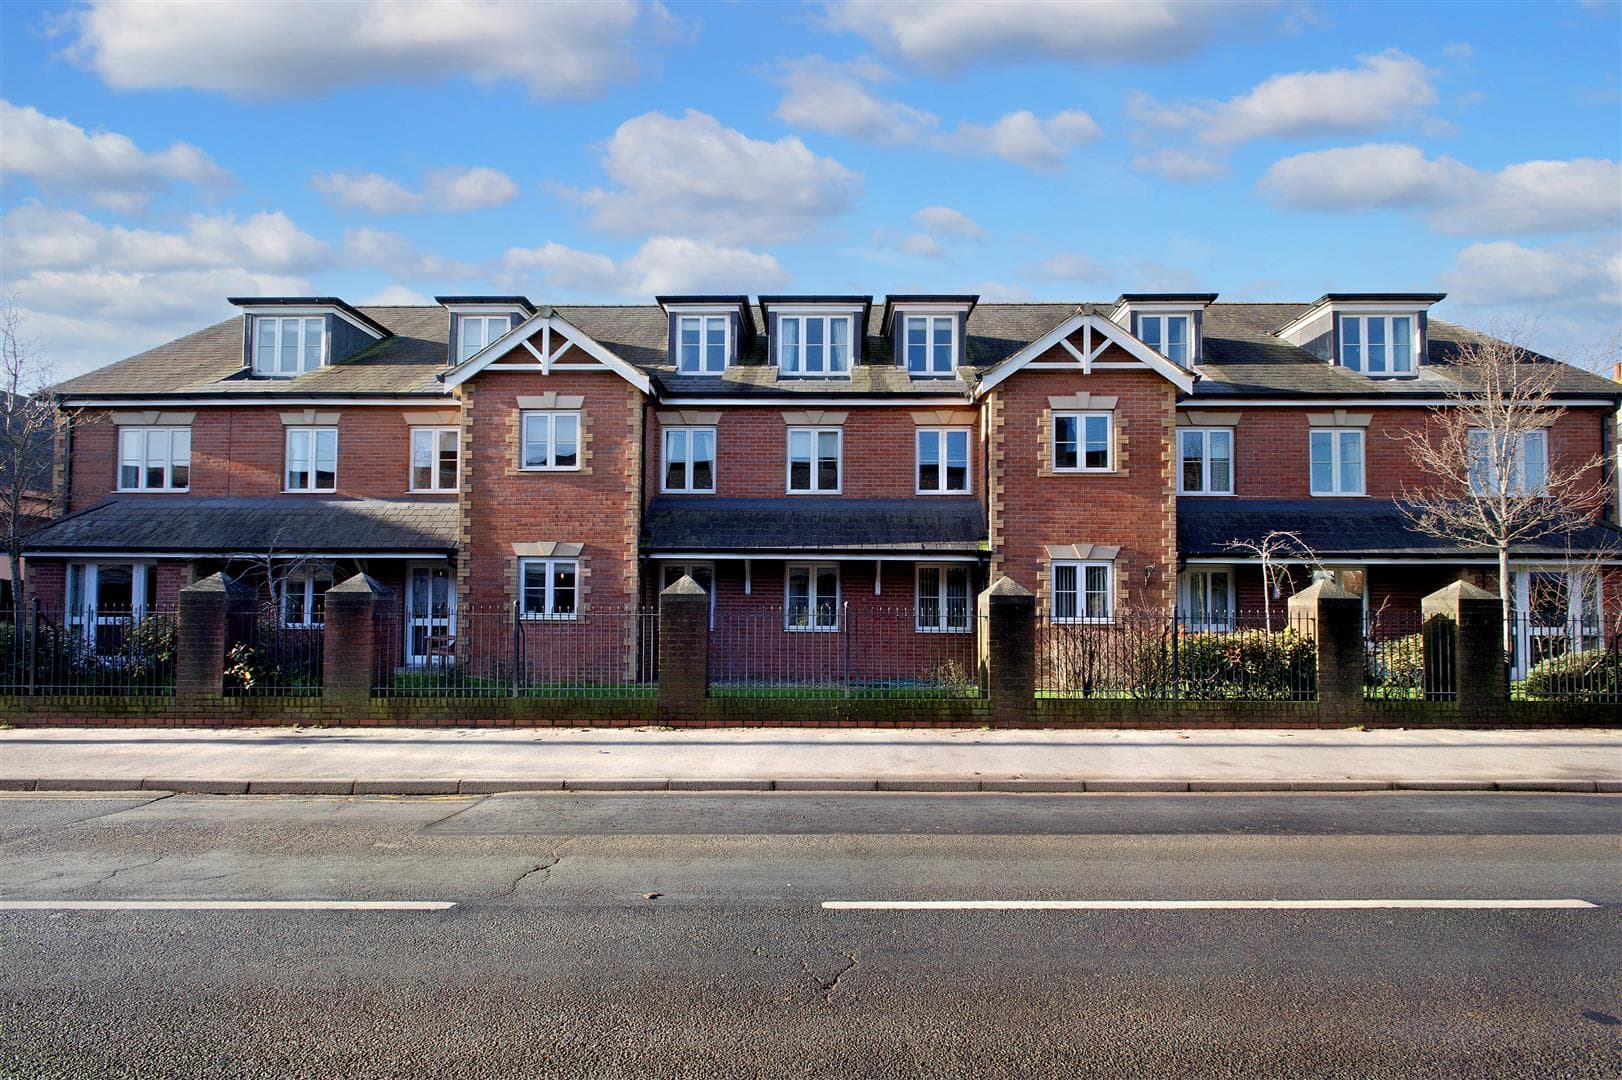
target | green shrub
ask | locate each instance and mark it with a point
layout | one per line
(1396, 667)
(1247, 665)
(1573, 676)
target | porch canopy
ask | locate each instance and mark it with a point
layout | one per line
(1340, 529)
(790, 526)
(180, 525)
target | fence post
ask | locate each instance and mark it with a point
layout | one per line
(1337, 619)
(1007, 611)
(31, 643)
(518, 646)
(1474, 618)
(349, 645)
(202, 635)
(684, 650)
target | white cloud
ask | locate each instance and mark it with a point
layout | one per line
(1568, 297)
(1181, 165)
(105, 167)
(449, 189)
(945, 221)
(397, 255)
(564, 49)
(395, 296)
(1127, 275)
(834, 97)
(1384, 89)
(1068, 266)
(949, 35)
(924, 246)
(716, 183)
(1533, 196)
(41, 239)
(663, 264)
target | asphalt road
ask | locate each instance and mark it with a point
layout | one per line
(679, 935)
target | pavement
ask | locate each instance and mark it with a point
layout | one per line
(481, 761)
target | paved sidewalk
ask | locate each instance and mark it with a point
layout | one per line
(412, 761)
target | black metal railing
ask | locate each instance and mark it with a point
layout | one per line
(499, 651)
(846, 651)
(1575, 661)
(102, 651)
(1402, 662)
(268, 657)
(1165, 656)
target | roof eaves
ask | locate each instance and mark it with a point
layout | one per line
(312, 301)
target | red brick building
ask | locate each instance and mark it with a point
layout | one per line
(806, 458)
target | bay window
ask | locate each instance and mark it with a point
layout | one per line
(811, 598)
(814, 460)
(943, 461)
(312, 459)
(1082, 592)
(1336, 461)
(816, 345)
(285, 346)
(1205, 459)
(1082, 442)
(435, 458)
(551, 441)
(1377, 344)
(689, 459)
(943, 599)
(154, 458)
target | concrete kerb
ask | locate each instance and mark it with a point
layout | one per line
(1011, 786)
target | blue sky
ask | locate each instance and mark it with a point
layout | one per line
(160, 156)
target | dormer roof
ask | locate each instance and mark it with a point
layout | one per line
(516, 303)
(1398, 301)
(959, 301)
(740, 304)
(332, 303)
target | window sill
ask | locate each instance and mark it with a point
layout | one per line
(548, 468)
(823, 375)
(152, 491)
(687, 491)
(829, 491)
(810, 629)
(1082, 472)
(310, 491)
(562, 617)
(1106, 621)
(921, 494)
(1207, 494)
(941, 629)
(433, 491)
(1339, 495)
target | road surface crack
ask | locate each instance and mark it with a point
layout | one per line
(830, 985)
(542, 868)
(106, 878)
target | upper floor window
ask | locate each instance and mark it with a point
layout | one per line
(1206, 459)
(943, 461)
(312, 459)
(549, 588)
(1377, 344)
(288, 345)
(931, 344)
(1082, 592)
(1337, 461)
(813, 344)
(435, 458)
(943, 598)
(154, 459)
(304, 598)
(552, 440)
(474, 332)
(701, 344)
(814, 460)
(1166, 334)
(811, 598)
(689, 459)
(1082, 442)
(1525, 454)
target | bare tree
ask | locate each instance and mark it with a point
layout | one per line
(27, 432)
(1276, 551)
(1494, 478)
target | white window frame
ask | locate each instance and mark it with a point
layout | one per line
(314, 434)
(1335, 434)
(1483, 477)
(929, 370)
(942, 434)
(171, 460)
(1081, 419)
(1081, 567)
(550, 416)
(942, 624)
(1186, 606)
(305, 582)
(549, 612)
(839, 459)
(688, 568)
(1389, 325)
(503, 319)
(797, 368)
(687, 470)
(701, 362)
(1205, 434)
(1162, 320)
(439, 486)
(274, 369)
(813, 600)
(1575, 631)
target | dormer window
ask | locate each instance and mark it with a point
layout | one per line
(1377, 345)
(701, 344)
(285, 346)
(814, 345)
(474, 332)
(931, 344)
(1168, 335)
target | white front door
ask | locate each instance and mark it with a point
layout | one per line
(430, 623)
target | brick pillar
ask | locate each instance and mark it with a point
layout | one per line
(349, 645)
(1335, 617)
(1474, 619)
(1008, 651)
(203, 635)
(684, 650)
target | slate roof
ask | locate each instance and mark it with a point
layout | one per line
(796, 525)
(184, 524)
(1242, 357)
(1333, 528)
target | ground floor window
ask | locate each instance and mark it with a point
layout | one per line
(304, 597)
(703, 573)
(1205, 598)
(811, 600)
(1553, 612)
(943, 599)
(549, 587)
(104, 599)
(1083, 592)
